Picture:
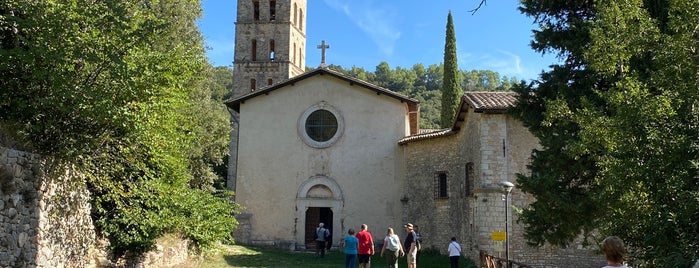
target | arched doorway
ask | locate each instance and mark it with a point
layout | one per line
(319, 200)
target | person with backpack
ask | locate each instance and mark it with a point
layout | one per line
(418, 242)
(391, 243)
(320, 237)
(454, 250)
(411, 245)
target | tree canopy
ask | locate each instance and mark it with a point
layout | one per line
(425, 85)
(617, 126)
(117, 88)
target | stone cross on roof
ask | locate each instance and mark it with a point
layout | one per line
(322, 47)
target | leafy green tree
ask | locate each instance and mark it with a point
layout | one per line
(116, 89)
(382, 75)
(451, 88)
(617, 127)
(210, 129)
(434, 76)
(220, 82)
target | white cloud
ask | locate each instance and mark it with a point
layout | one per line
(376, 21)
(503, 62)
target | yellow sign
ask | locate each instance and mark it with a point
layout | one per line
(499, 236)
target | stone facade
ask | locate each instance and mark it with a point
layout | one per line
(482, 149)
(270, 42)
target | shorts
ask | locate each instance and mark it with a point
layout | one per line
(412, 257)
(364, 258)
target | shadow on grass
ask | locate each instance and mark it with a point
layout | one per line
(263, 257)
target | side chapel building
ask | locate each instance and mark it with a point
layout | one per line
(320, 146)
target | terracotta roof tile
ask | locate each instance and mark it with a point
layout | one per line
(427, 135)
(490, 101)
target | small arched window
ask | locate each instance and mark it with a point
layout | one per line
(301, 20)
(256, 9)
(253, 47)
(269, 81)
(272, 10)
(295, 13)
(253, 83)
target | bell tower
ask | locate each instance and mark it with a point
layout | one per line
(270, 42)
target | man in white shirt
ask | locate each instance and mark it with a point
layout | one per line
(454, 253)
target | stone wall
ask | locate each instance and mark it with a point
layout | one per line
(277, 53)
(438, 218)
(45, 219)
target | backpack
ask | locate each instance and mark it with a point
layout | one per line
(320, 231)
(417, 242)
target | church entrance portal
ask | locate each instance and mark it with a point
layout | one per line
(314, 216)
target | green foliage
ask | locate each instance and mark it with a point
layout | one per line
(451, 87)
(425, 84)
(618, 127)
(117, 89)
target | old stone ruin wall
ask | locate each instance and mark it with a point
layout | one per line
(45, 219)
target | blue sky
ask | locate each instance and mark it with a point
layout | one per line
(364, 33)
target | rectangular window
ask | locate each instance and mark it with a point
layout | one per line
(468, 179)
(272, 10)
(254, 50)
(253, 83)
(256, 9)
(440, 185)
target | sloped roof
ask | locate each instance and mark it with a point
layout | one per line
(489, 102)
(481, 102)
(235, 102)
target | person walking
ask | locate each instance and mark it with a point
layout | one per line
(349, 246)
(391, 243)
(366, 246)
(320, 236)
(409, 245)
(454, 253)
(614, 251)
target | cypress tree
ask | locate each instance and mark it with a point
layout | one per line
(451, 89)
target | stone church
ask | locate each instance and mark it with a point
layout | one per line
(320, 146)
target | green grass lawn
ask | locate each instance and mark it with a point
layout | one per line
(240, 256)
